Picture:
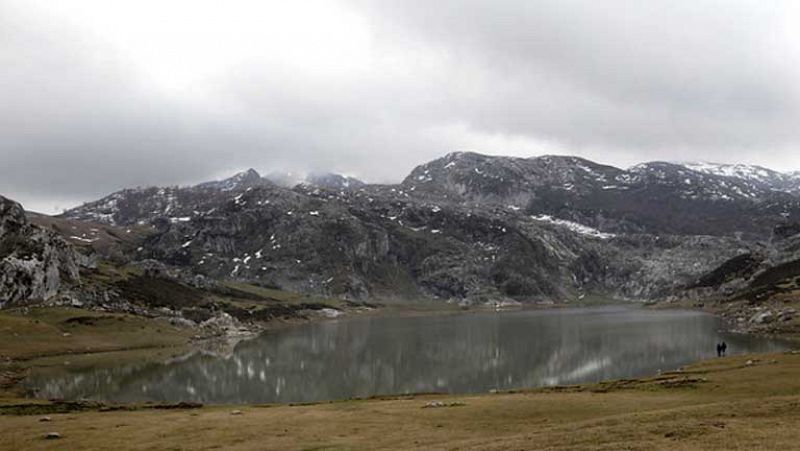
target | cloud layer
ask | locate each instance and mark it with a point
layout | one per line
(98, 95)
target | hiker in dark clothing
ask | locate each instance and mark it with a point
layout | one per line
(724, 348)
(719, 349)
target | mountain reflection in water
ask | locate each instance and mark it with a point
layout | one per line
(465, 353)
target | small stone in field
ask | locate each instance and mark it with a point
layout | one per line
(52, 436)
(43, 419)
(442, 404)
(236, 412)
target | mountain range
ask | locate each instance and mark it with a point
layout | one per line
(467, 228)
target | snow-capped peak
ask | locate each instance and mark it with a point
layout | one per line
(740, 171)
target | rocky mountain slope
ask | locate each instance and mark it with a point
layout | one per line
(62, 262)
(654, 197)
(466, 227)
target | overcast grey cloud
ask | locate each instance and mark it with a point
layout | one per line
(99, 95)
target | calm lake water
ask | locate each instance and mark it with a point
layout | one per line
(468, 353)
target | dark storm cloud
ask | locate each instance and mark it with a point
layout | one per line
(92, 99)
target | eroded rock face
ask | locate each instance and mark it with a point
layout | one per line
(34, 262)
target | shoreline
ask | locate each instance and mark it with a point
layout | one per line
(14, 381)
(730, 314)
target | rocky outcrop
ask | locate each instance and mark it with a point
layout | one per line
(34, 262)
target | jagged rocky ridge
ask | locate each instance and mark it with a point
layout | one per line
(468, 227)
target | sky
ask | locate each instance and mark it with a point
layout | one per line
(99, 95)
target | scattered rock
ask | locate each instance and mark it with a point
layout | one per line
(762, 318)
(223, 324)
(787, 314)
(433, 404)
(330, 312)
(45, 419)
(236, 412)
(52, 436)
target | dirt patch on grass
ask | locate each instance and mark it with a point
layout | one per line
(27, 408)
(92, 320)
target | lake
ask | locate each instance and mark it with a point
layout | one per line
(460, 353)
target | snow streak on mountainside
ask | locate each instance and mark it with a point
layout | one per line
(575, 227)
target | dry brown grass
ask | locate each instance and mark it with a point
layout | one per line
(58, 331)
